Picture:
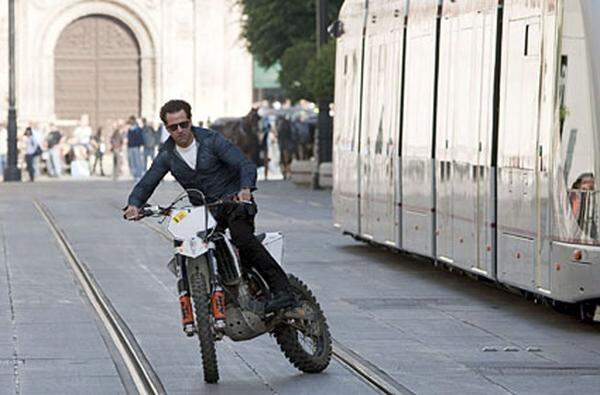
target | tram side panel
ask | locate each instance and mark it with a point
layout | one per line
(464, 177)
(547, 125)
(417, 134)
(576, 162)
(346, 146)
(520, 143)
(487, 34)
(380, 126)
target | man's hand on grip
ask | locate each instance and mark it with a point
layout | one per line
(131, 213)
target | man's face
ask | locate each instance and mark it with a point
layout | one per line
(179, 127)
(587, 184)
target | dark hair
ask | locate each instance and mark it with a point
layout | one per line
(175, 106)
(579, 180)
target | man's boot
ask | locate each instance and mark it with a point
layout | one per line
(281, 300)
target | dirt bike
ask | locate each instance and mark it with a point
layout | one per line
(229, 299)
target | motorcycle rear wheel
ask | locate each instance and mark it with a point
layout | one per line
(204, 328)
(290, 337)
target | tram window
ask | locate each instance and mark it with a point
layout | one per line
(345, 64)
(532, 38)
(564, 66)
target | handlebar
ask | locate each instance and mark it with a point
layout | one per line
(159, 211)
(150, 211)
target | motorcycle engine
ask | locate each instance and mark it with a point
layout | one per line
(245, 321)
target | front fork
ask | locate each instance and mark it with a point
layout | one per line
(183, 286)
(217, 294)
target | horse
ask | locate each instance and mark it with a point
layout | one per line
(295, 136)
(242, 132)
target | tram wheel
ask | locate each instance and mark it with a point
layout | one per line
(587, 311)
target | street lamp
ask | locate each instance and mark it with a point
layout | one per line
(11, 172)
(323, 138)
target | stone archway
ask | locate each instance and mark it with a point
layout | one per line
(97, 71)
(128, 13)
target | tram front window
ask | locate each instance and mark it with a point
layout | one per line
(576, 146)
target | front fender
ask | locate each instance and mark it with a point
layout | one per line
(192, 248)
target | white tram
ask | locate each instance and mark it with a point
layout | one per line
(468, 131)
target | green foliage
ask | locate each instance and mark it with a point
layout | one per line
(320, 73)
(293, 70)
(272, 26)
(285, 31)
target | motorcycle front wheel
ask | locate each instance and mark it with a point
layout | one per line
(305, 342)
(204, 328)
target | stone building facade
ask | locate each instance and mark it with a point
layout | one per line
(115, 58)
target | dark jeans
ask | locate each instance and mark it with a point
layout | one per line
(98, 160)
(29, 161)
(148, 156)
(240, 221)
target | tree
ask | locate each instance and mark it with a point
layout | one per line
(294, 69)
(285, 31)
(320, 73)
(272, 26)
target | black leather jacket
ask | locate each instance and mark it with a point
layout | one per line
(221, 169)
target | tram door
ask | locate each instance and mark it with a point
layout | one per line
(464, 134)
(523, 146)
(346, 146)
(380, 125)
(417, 129)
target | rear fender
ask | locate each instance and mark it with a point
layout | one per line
(273, 242)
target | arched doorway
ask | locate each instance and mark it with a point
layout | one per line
(97, 71)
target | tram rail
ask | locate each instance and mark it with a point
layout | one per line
(143, 376)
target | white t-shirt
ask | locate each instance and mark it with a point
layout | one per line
(31, 145)
(189, 154)
(83, 134)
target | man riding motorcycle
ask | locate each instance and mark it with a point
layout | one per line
(203, 159)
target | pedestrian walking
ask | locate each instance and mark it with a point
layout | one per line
(53, 141)
(81, 166)
(98, 147)
(135, 142)
(150, 143)
(116, 146)
(32, 150)
(3, 148)
(38, 136)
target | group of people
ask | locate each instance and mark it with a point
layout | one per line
(287, 133)
(82, 153)
(142, 142)
(282, 133)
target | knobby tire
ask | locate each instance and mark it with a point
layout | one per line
(205, 332)
(287, 336)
